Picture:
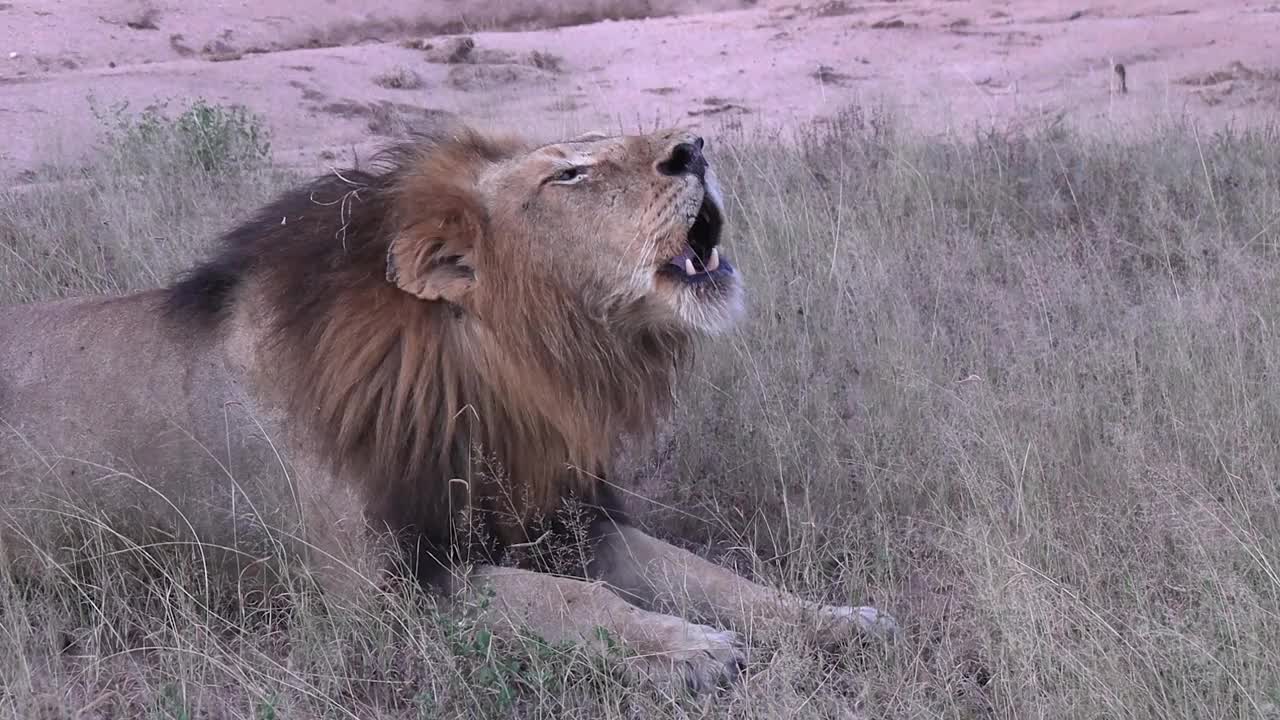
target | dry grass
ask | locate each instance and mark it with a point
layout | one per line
(142, 208)
(546, 61)
(399, 78)
(1019, 391)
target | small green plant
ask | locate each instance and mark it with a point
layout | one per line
(212, 138)
(266, 710)
(502, 670)
(170, 705)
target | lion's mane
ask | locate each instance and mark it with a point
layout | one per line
(398, 394)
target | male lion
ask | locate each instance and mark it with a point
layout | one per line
(358, 354)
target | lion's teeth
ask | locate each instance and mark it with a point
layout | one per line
(688, 267)
(714, 261)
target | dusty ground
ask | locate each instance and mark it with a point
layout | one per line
(329, 79)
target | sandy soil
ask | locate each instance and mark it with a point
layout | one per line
(329, 78)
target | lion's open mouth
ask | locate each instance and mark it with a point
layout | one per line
(700, 259)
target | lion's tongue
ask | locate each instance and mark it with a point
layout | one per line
(685, 262)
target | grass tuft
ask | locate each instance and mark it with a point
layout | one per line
(143, 206)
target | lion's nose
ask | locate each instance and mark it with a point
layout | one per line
(685, 159)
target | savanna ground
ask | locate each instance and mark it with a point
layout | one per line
(1018, 390)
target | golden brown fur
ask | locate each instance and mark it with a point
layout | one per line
(356, 353)
(398, 390)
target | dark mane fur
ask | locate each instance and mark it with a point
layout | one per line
(401, 393)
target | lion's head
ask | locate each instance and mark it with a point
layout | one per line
(473, 288)
(629, 225)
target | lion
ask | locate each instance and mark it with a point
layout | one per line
(337, 382)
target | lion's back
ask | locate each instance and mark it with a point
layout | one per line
(108, 408)
(86, 365)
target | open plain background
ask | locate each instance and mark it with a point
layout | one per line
(323, 72)
(1011, 370)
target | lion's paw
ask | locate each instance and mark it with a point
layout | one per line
(841, 623)
(699, 657)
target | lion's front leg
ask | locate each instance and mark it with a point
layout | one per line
(660, 575)
(559, 609)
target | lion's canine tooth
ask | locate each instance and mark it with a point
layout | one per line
(714, 262)
(688, 267)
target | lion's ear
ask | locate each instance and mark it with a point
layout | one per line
(433, 257)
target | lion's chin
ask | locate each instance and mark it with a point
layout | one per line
(710, 304)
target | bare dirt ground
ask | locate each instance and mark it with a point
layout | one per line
(330, 78)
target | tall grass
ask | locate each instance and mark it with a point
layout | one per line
(1018, 390)
(160, 185)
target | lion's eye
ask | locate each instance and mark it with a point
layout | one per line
(568, 175)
